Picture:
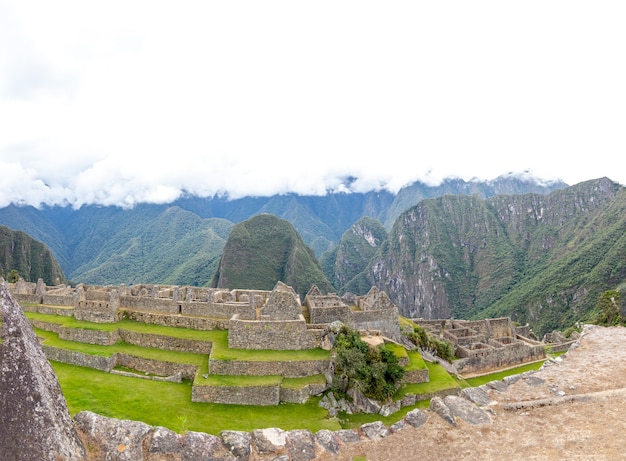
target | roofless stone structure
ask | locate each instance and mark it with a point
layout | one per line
(34, 420)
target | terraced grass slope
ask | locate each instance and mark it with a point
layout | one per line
(120, 393)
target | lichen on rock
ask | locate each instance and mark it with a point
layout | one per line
(34, 417)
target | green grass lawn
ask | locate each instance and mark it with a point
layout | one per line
(416, 362)
(241, 381)
(52, 339)
(169, 404)
(439, 380)
(299, 383)
(484, 379)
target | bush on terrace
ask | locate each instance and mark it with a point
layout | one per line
(374, 371)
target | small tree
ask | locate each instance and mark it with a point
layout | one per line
(608, 307)
(375, 371)
(13, 276)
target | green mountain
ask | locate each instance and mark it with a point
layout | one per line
(264, 250)
(31, 259)
(541, 259)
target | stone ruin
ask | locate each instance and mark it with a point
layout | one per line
(489, 344)
(256, 319)
(277, 319)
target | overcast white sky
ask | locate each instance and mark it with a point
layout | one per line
(119, 102)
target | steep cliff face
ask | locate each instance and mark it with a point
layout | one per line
(544, 259)
(345, 265)
(30, 258)
(438, 259)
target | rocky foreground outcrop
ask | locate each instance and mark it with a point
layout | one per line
(34, 418)
(114, 439)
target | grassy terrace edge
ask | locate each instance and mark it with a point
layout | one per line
(219, 338)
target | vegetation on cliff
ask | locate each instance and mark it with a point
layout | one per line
(24, 256)
(344, 265)
(104, 245)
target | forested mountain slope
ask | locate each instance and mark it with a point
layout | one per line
(543, 259)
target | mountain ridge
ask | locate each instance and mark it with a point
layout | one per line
(84, 239)
(264, 250)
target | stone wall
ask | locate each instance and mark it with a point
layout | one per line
(329, 314)
(149, 304)
(52, 310)
(272, 334)
(169, 343)
(301, 394)
(96, 311)
(238, 395)
(464, 337)
(501, 327)
(295, 369)
(524, 331)
(220, 310)
(108, 338)
(192, 323)
(493, 358)
(58, 300)
(156, 367)
(79, 358)
(282, 304)
(385, 320)
(27, 298)
(105, 338)
(416, 376)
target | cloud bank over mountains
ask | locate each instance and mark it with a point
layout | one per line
(126, 102)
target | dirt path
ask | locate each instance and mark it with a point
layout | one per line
(572, 409)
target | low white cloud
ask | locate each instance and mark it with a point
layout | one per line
(125, 102)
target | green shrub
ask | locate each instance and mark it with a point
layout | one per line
(441, 347)
(375, 371)
(608, 308)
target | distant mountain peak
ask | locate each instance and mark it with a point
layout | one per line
(528, 176)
